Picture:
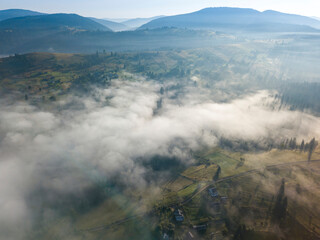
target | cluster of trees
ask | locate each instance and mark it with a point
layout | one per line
(166, 224)
(240, 145)
(16, 64)
(242, 233)
(98, 78)
(161, 163)
(303, 146)
(175, 72)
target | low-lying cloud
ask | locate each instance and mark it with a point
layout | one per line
(103, 135)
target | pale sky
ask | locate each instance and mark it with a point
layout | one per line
(149, 8)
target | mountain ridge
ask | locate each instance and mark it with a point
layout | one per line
(114, 26)
(50, 21)
(13, 13)
(230, 18)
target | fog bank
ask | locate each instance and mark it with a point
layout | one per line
(104, 134)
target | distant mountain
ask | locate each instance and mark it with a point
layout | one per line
(52, 21)
(284, 18)
(114, 26)
(13, 13)
(138, 22)
(237, 19)
(118, 20)
(317, 18)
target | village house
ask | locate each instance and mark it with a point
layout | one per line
(213, 192)
(178, 215)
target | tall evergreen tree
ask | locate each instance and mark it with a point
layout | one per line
(280, 207)
(241, 233)
(312, 147)
(302, 146)
(216, 176)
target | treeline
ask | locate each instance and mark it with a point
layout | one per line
(241, 145)
(292, 144)
(268, 144)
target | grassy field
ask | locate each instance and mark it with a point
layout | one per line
(201, 172)
(228, 161)
(178, 184)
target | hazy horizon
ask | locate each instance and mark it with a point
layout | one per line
(145, 9)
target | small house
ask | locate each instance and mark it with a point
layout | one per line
(224, 200)
(165, 236)
(213, 192)
(200, 228)
(178, 215)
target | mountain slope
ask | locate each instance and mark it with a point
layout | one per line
(112, 25)
(13, 13)
(52, 21)
(89, 41)
(279, 17)
(235, 18)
